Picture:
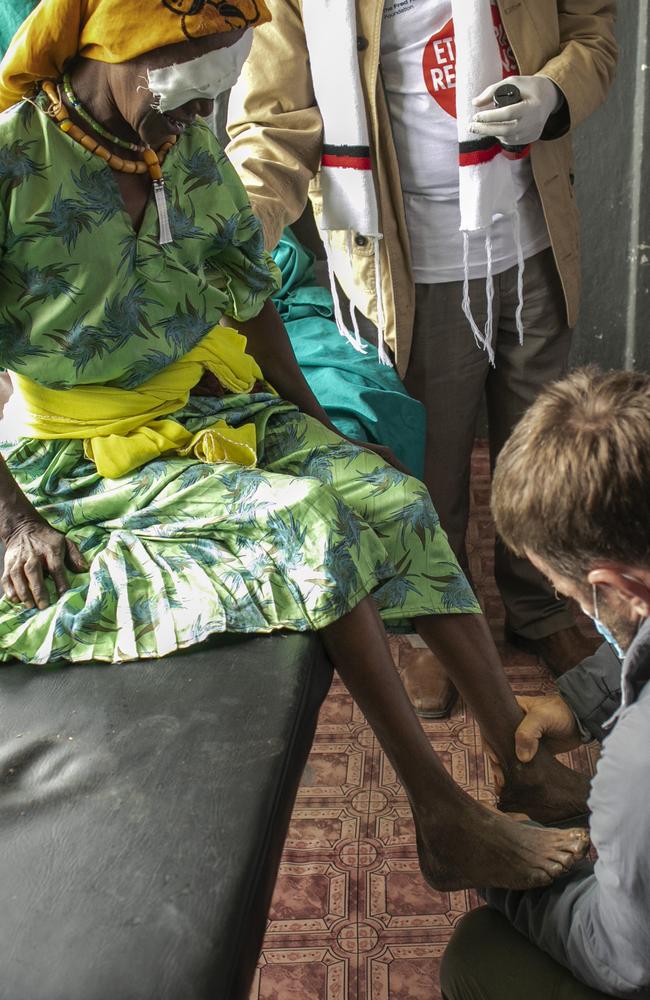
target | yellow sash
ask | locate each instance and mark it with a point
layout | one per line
(122, 429)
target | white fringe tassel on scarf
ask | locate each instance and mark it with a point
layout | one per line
(486, 188)
(349, 197)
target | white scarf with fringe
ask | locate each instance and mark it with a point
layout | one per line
(349, 196)
(486, 182)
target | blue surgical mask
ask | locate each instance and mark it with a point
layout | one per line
(602, 629)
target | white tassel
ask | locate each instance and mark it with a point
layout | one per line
(489, 294)
(338, 315)
(163, 215)
(355, 326)
(361, 347)
(467, 307)
(519, 316)
(382, 353)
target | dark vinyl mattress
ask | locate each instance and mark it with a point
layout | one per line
(143, 809)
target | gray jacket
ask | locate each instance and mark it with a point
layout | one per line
(596, 921)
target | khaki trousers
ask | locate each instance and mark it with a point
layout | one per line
(449, 373)
(487, 959)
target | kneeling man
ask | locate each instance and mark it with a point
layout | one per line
(572, 493)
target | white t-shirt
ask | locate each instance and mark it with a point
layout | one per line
(418, 64)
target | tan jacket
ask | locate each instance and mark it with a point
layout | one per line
(276, 137)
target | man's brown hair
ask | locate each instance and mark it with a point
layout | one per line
(572, 484)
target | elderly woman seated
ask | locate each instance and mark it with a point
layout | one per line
(167, 473)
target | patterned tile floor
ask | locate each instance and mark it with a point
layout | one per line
(352, 919)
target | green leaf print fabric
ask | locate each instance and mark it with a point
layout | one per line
(84, 300)
(178, 550)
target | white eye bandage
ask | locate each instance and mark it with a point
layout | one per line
(204, 78)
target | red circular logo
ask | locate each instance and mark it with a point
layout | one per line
(439, 67)
(439, 62)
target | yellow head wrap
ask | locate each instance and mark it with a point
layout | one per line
(111, 31)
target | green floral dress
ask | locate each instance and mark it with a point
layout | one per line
(178, 550)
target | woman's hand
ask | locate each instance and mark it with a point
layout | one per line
(268, 342)
(32, 550)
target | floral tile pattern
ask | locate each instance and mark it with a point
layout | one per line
(352, 918)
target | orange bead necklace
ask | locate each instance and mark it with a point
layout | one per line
(150, 163)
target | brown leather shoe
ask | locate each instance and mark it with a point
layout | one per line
(429, 689)
(560, 651)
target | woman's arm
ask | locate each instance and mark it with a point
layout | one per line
(269, 344)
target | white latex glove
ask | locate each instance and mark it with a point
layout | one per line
(518, 124)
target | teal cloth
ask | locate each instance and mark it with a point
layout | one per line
(364, 399)
(12, 15)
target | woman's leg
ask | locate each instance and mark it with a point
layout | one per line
(461, 843)
(544, 789)
(429, 588)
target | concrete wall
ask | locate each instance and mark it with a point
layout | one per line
(612, 187)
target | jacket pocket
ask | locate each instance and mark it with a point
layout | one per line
(342, 240)
(351, 243)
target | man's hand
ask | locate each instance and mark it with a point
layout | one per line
(33, 549)
(517, 124)
(549, 719)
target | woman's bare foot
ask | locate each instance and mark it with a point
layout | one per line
(545, 790)
(473, 847)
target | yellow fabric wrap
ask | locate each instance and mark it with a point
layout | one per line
(110, 31)
(122, 429)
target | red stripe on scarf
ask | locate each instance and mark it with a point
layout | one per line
(486, 155)
(479, 156)
(351, 162)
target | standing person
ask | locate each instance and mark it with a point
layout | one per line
(587, 528)
(363, 109)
